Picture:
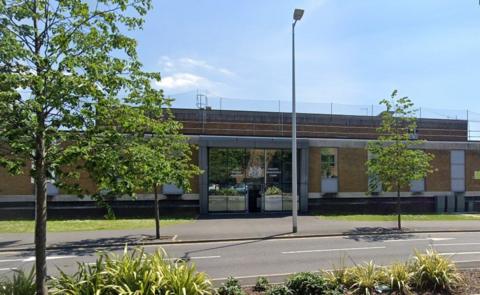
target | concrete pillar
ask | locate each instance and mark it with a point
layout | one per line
(304, 179)
(451, 203)
(440, 204)
(460, 202)
(203, 164)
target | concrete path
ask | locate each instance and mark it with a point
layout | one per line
(211, 229)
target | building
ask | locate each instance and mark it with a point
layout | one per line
(246, 159)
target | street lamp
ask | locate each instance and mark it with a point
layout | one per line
(297, 15)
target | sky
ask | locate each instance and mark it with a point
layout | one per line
(347, 51)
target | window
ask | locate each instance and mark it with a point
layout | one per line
(329, 162)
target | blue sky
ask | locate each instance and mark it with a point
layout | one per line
(348, 51)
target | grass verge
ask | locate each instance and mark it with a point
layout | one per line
(405, 217)
(27, 226)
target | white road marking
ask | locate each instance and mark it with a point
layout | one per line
(262, 275)
(465, 261)
(4, 269)
(458, 244)
(414, 240)
(333, 250)
(32, 258)
(460, 253)
(196, 257)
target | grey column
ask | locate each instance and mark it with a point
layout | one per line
(203, 163)
(304, 179)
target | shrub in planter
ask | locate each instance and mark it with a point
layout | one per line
(133, 272)
(261, 285)
(434, 272)
(279, 290)
(306, 283)
(339, 277)
(231, 287)
(20, 284)
(367, 277)
(399, 276)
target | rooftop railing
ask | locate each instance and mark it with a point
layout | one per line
(195, 100)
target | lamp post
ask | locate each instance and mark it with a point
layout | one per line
(297, 15)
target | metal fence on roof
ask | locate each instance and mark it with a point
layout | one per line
(196, 100)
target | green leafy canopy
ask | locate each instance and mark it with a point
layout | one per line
(396, 157)
(72, 90)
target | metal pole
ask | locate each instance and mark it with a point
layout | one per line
(294, 139)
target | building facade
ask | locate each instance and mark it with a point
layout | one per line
(246, 159)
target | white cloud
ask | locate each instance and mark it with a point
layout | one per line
(186, 74)
(182, 81)
(188, 64)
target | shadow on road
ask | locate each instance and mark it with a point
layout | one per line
(376, 234)
(187, 256)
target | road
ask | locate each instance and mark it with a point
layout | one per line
(279, 257)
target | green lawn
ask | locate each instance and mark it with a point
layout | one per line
(27, 226)
(406, 217)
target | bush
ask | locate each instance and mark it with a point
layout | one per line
(305, 283)
(20, 284)
(279, 290)
(339, 277)
(261, 285)
(366, 278)
(133, 273)
(399, 276)
(434, 272)
(231, 287)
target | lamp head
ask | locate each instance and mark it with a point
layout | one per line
(297, 14)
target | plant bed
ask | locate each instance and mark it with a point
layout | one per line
(471, 286)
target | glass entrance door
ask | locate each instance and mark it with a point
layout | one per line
(249, 180)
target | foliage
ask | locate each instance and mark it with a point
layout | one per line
(396, 159)
(279, 290)
(231, 287)
(306, 283)
(366, 277)
(71, 88)
(273, 190)
(396, 162)
(20, 284)
(262, 284)
(339, 276)
(399, 277)
(434, 272)
(133, 273)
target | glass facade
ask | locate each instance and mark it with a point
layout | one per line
(249, 180)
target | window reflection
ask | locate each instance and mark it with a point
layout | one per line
(249, 180)
(329, 162)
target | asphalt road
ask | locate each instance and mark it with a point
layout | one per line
(278, 258)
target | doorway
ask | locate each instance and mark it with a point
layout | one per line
(254, 198)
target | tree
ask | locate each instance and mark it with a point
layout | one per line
(396, 158)
(64, 64)
(151, 152)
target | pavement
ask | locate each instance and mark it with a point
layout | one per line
(276, 258)
(228, 229)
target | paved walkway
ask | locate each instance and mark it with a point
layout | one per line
(231, 228)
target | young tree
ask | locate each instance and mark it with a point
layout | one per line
(396, 159)
(150, 153)
(63, 65)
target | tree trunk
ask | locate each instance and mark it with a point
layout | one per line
(399, 208)
(40, 216)
(157, 214)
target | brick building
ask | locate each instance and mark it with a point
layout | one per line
(246, 159)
